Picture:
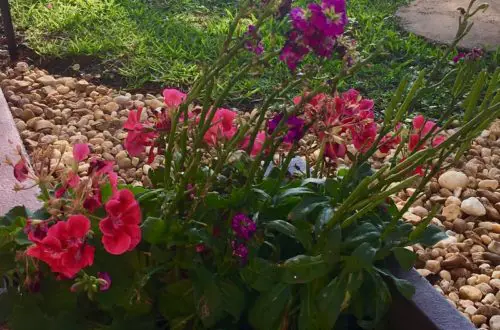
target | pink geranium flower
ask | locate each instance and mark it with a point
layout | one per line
(81, 151)
(222, 127)
(21, 170)
(260, 139)
(173, 98)
(139, 135)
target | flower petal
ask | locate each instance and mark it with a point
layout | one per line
(117, 244)
(78, 225)
(80, 151)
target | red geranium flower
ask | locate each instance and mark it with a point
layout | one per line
(120, 229)
(64, 247)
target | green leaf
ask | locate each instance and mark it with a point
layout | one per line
(208, 299)
(214, 200)
(157, 176)
(260, 274)
(361, 257)
(294, 192)
(303, 269)
(306, 206)
(324, 216)
(288, 229)
(13, 214)
(316, 181)
(405, 257)
(330, 300)
(366, 232)
(331, 251)
(266, 313)
(233, 298)
(427, 236)
(177, 300)
(7, 262)
(153, 230)
(106, 192)
(403, 286)
(308, 311)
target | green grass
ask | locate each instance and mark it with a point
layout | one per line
(167, 41)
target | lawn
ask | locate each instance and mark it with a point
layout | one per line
(167, 41)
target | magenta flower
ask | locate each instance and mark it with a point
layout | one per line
(295, 130)
(104, 281)
(315, 28)
(273, 123)
(253, 41)
(239, 250)
(81, 151)
(243, 227)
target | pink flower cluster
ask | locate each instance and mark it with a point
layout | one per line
(314, 29)
(338, 119)
(141, 135)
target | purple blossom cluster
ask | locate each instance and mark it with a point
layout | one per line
(314, 29)
(473, 55)
(295, 127)
(253, 42)
(243, 228)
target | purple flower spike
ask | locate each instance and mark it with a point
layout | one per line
(295, 129)
(273, 123)
(243, 226)
(254, 41)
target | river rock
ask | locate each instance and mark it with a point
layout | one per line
(453, 179)
(473, 206)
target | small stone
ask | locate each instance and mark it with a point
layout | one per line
(485, 288)
(433, 265)
(420, 211)
(493, 197)
(496, 274)
(124, 163)
(424, 272)
(451, 212)
(412, 218)
(488, 184)
(470, 292)
(492, 213)
(47, 80)
(459, 226)
(482, 278)
(21, 67)
(489, 299)
(42, 124)
(478, 319)
(155, 103)
(122, 99)
(488, 311)
(495, 322)
(121, 154)
(81, 85)
(495, 283)
(445, 275)
(473, 206)
(459, 272)
(110, 107)
(494, 247)
(471, 310)
(61, 89)
(452, 200)
(453, 179)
